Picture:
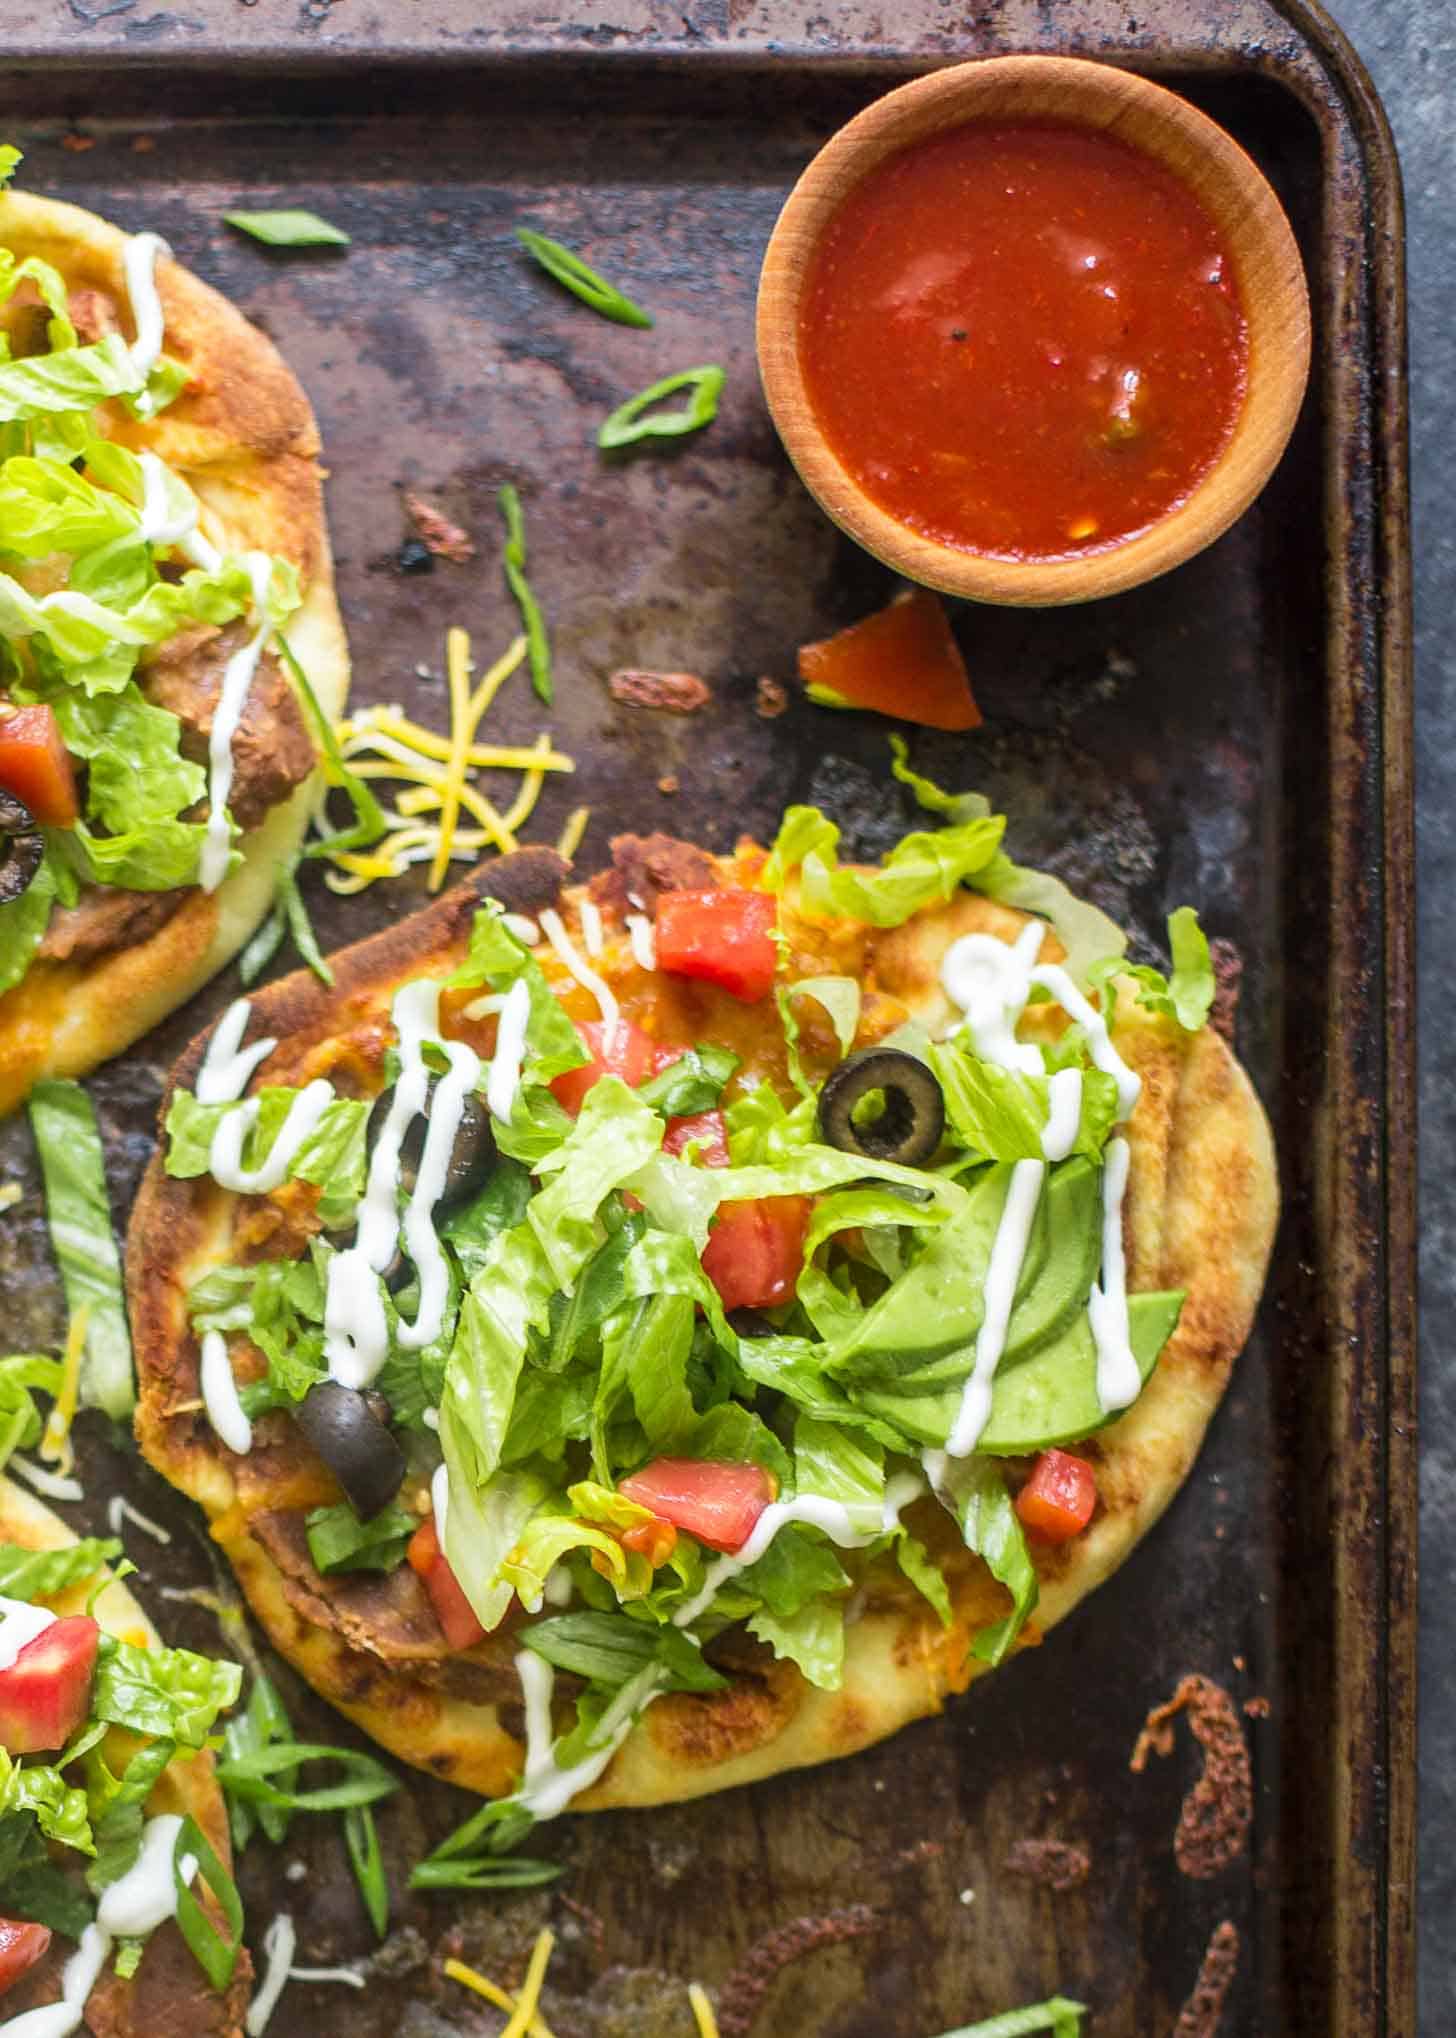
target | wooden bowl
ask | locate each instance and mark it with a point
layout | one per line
(1262, 251)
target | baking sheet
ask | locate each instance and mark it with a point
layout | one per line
(1232, 735)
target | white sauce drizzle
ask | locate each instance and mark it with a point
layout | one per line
(523, 927)
(280, 1942)
(227, 1065)
(991, 981)
(225, 1155)
(565, 948)
(510, 1050)
(139, 267)
(1059, 1134)
(52, 1484)
(356, 1333)
(1118, 1380)
(832, 1516)
(231, 700)
(1052, 977)
(545, 1790)
(160, 525)
(20, 1623)
(220, 1395)
(78, 1978)
(558, 1588)
(1008, 1250)
(591, 927)
(440, 1500)
(643, 937)
(146, 1896)
(901, 1488)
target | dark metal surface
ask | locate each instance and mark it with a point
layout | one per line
(1236, 735)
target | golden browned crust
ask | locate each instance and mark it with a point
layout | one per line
(243, 436)
(1201, 1211)
(169, 1992)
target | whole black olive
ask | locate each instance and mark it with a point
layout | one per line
(358, 1449)
(472, 1154)
(22, 846)
(911, 1122)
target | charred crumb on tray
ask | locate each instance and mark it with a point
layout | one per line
(1213, 1825)
(1055, 1864)
(438, 534)
(673, 693)
(1202, 2014)
(771, 698)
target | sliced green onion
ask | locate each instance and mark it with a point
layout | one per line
(1063, 2019)
(511, 1871)
(627, 423)
(263, 1721)
(582, 281)
(78, 1210)
(538, 645)
(369, 821)
(216, 1953)
(364, 1780)
(261, 950)
(299, 924)
(361, 1837)
(288, 227)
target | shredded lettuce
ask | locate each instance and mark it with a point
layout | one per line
(999, 1114)
(333, 1157)
(172, 1693)
(1187, 995)
(975, 1490)
(923, 869)
(59, 1808)
(21, 1375)
(78, 1211)
(339, 1541)
(41, 1574)
(497, 959)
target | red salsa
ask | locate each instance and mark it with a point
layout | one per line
(1024, 339)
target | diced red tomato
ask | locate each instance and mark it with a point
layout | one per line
(901, 661)
(717, 1503)
(21, 1946)
(632, 1056)
(452, 1609)
(46, 1693)
(655, 1540)
(35, 765)
(755, 1251)
(706, 1130)
(1059, 1498)
(725, 937)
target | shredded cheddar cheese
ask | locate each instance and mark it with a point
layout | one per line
(55, 1443)
(9, 1195)
(570, 839)
(440, 815)
(525, 2018)
(702, 2011)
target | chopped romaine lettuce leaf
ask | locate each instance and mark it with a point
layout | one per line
(1000, 1115)
(923, 869)
(168, 1692)
(78, 1211)
(41, 1574)
(333, 1156)
(59, 1808)
(974, 1490)
(339, 1541)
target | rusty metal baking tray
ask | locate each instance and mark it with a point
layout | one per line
(1237, 734)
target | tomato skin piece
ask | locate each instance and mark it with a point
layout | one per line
(36, 766)
(1059, 1498)
(717, 1503)
(707, 1130)
(452, 1609)
(632, 1056)
(901, 661)
(45, 1694)
(21, 1946)
(755, 1251)
(725, 937)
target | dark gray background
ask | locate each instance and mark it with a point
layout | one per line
(1411, 52)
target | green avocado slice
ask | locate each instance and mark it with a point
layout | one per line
(1051, 1397)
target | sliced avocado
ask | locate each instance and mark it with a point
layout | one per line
(1051, 1397)
(1069, 1221)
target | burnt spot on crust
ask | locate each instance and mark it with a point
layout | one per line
(1202, 2014)
(1055, 1864)
(705, 1730)
(743, 1992)
(1213, 1826)
(646, 866)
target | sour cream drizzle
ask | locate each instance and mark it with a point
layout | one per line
(139, 267)
(356, 1333)
(79, 1976)
(231, 700)
(227, 1065)
(546, 1790)
(565, 948)
(991, 982)
(225, 1155)
(20, 1624)
(220, 1395)
(591, 927)
(642, 935)
(510, 1050)
(832, 1516)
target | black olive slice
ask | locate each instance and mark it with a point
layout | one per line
(472, 1154)
(356, 1446)
(910, 1124)
(752, 1323)
(22, 847)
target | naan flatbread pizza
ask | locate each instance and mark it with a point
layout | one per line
(632, 1338)
(107, 1785)
(163, 553)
